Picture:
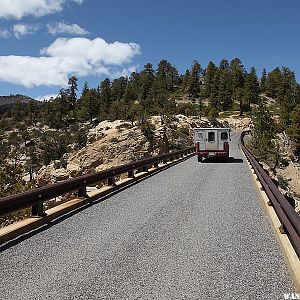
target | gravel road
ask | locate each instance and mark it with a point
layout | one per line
(194, 231)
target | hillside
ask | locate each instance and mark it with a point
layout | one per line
(7, 102)
(11, 99)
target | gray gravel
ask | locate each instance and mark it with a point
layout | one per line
(194, 231)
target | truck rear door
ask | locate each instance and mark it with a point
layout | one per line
(211, 140)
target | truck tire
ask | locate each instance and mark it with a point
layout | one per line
(227, 158)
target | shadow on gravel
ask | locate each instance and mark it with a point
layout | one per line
(230, 160)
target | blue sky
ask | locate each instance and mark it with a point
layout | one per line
(42, 42)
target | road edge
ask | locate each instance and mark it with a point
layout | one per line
(290, 256)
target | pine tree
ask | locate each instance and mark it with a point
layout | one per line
(224, 65)
(90, 104)
(166, 76)
(224, 93)
(263, 80)
(85, 88)
(214, 91)
(251, 88)
(105, 96)
(263, 135)
(237, 73)
(146, 84)
(194, 84)
(118, 88)
(273, 83)
(186, 80)
(294, 129)
(209, 77)
(73, 88)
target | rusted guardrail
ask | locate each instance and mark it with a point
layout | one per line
(36, 197)
(290, 220)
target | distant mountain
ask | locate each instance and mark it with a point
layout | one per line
(6, 102)
(9, 100)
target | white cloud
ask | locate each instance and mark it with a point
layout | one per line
(95, 51)
(62, 27)
(24, 29)
(78, 56)
(4, 33)
(46, 97)
(123, 72)
(17, 9)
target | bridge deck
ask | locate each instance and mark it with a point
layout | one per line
(194, 231)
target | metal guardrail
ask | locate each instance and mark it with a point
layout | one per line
(36, 197)
(290, 220)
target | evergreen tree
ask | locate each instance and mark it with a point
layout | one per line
(263, 135)
(224, 92)
(186, 80)
(238, 96)
(273, 84)
(85, 88)
(263, 80)
(132, 89)
(90, 104)
(209, 77)
(224, 65)
(105, 96)
(251, 88)
(118, 88)
(146, 83)
(237, 73)
(73, 88)
(214, 91)
(194, 83)
(166, 76)
(294, 129)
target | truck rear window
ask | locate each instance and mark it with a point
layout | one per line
(224, 136)
(211, 136)
(200, 136)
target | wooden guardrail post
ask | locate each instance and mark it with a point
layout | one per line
(130, 174)
(37, 210)
(82, 192)
(111, 181)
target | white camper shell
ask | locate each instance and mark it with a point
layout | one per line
(211, 142)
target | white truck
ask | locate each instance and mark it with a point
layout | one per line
(212, 142)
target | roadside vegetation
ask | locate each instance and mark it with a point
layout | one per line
(35, 133)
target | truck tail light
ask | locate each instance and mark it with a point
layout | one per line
(226, 147)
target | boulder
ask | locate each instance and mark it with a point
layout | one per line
(60, 174)
(74, 170)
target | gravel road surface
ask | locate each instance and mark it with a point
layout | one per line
(194, 231)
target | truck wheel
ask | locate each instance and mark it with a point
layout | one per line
(199, 158)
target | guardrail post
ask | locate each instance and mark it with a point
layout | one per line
(111, 181)
(282, 229)
(37, 210)
(130, 174)
(82, 192)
